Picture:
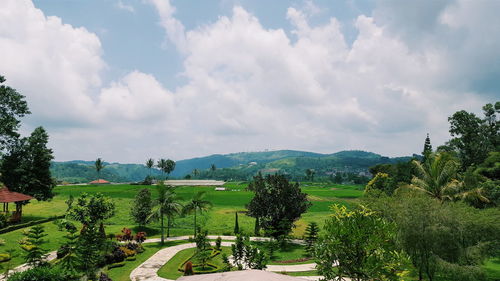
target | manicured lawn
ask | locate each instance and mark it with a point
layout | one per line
(219, 220)
(492, 267)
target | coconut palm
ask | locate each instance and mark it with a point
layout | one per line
(437, 176)
(197, 203)
(150, 163)
(166, 205)
(99, 165)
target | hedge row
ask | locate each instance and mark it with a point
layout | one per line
(28, 224)
(214, 267)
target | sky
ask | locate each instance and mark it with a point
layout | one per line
(126, 80)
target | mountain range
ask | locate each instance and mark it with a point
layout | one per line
(241, 165)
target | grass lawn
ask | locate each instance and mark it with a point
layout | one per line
(492, 267)
(219, 220)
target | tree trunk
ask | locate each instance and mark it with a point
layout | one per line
(194, 223)
(168, 226)
(162, 229)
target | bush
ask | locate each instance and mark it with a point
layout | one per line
(104, 277)
(28, 224)
(140, 237)
(5, 257)
(4, 220)
(188, 269)
(128, 252)
(40, 274)
(115, 265)
(117, 255)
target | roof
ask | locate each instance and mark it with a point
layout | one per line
(243, 275)
(99, 181)
(7, 196)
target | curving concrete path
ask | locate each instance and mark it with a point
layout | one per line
(148, 271)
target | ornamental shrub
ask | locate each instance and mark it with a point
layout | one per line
(43, 273)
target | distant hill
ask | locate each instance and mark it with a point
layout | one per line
(238, 166)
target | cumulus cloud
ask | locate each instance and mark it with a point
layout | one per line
(250, 87)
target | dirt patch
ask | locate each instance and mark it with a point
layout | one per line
(334, 188)
(293, 261)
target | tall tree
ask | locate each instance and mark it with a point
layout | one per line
(167, 205)
(142, 207)
(99, 165)
(427, 148)
(236, 223)
(162, 164)
(169, 167)
(12, 108)
(149, 164)
(310, 174)
(277, 203)
(26, 166)
(197, 204)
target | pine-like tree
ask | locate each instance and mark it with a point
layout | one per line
(35, 254)
(427, 149)
(236, 224)
(70, 262)
(311, 237)
(256, 229)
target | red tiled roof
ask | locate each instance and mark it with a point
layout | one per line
(99, 181)
(7, 196)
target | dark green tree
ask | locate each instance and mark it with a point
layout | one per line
(143, 205)
(70, 261)
(12, 107)
(26, 166)
(277, 203)
(169, 167)
(236, 224)
(195, 205)
(167, 205)
(427, 148)
(256, 229)
(99, 165)
(150, 164)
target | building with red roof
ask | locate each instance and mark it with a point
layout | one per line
(99, 181)
(7, 196)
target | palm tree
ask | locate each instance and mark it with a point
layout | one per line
(150, 163)
(161, 164)
(437, 176)
(197, 203)
(196, 172)
(99, 165)
(166, 205)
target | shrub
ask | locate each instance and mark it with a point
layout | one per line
(117, 255)
(115, 265)
(133, 258)
(40, 274)
(188, 268)
(140, 237)
(4, 220)
(5, 257)
(126, 235)
(218, 243)
(104, 277)
(128, 252)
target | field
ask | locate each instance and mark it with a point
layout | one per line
(219, 220)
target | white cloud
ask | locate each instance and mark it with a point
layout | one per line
(248, 87)
(122, 6)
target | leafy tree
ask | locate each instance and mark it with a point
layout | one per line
(26, 166)
(312, 231)
(310, 174)
(166, 166)
(91, 211)
(277, 204)
(166, 205)
(361, 243)
(142, 207)
(32, 245)
(12, 107)
(236, 224)
(382, 182)
(201, 241)
(427, 149)
(338, 178)
(474, 137)
(196, 172)
(195, 205)
(99, 165)
(150, 164)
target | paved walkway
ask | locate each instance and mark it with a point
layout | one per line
(148, 271)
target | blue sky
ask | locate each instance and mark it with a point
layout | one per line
(128, 80)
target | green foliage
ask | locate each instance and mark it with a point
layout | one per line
(201, 240)
(4, 219)
(70, 262)
(361, 242)
(99, 165)
(26, 166)
(311, 236)
(40, 274)
(218, 243)
(166, 166)
(142, 207)
(427, 149)
(91, 209)
(12, 107)
(197, 203)
(89, 250)
(236, 224)
(277, 204)
(381, 182)
(473, 137)
(32, 245)
(167, 205)
(246, 255)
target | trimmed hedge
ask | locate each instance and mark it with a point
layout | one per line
(214, 267)
(118, 264)
(28, 224)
